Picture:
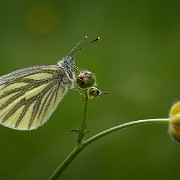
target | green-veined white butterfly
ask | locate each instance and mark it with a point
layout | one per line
(29, 96)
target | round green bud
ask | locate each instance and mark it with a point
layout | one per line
(85, 79)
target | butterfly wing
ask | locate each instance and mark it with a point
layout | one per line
(29, 96)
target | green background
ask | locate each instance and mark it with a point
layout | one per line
(137, 61)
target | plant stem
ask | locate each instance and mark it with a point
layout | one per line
(81, 145)
(78, 147)
(65, 163)
(83, 129)
(122, 126)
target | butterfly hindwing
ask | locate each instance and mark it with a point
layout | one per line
(29, 96)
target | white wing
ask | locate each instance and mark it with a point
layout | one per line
(29, 96)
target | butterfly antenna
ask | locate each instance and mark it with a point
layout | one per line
(77, 45)
(79, 69)
(72, 52)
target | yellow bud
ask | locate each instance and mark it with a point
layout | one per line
(174, 126)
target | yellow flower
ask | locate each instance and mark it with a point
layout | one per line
(174, 126)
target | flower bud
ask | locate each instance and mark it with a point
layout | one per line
(85, 79)
(174, 126)
(94, 92)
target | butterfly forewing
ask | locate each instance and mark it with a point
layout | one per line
(29, 96)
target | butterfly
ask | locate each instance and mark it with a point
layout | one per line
(29, 96)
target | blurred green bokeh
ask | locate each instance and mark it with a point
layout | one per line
(137, 61)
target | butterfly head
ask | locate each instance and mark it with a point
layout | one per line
(67, 62)
(67, 65)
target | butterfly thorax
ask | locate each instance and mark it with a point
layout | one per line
(67, 65)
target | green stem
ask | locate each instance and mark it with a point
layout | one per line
(78, 147)
(122, 126)
(83, 129)
(82, 145)
(65, 163)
